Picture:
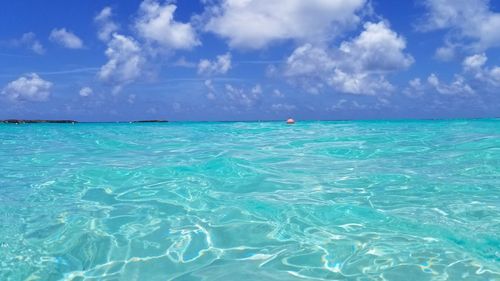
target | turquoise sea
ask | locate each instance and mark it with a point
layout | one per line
(372, 200)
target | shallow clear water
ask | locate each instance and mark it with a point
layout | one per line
(251, 201)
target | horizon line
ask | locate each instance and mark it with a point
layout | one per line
(70, 121)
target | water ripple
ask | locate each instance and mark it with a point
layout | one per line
(251, 201)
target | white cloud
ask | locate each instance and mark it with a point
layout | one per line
(106, 26)
(415, 88)
(208, 83)
(66, 38)
(474, 72)
(310, 67)
(240, 96)
(38, 48)
(183, 62)
(125, 61)
(445, 53)
(377, 48)
(126, 57)
(156, 24)
(358, 66)
(433, 80)
(256, 23)
(307, 60)
(211, 89)
(277, 93)
(360, 83)
(474, 62)
(458, 87)
(28, 88)
(415, 83)
(471, 22)
(221, 65)
(29, 41)
(86, 91)
(495, 75)
(156, 33)
(475, 65)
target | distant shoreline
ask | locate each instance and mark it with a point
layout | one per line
(64, 121)
(41, 121)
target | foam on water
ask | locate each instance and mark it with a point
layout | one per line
(251, 201)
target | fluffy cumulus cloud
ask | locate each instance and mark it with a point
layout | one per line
(474, 62)
(377, 48)
(66, 38)
(475, 65)
(472, 24)
(154, 33)
(360, 83)
(125, 62)
(156, 24)
(86, 91)
(475, 77)
(220, 65)
(126, 57)
(30, 87)
(310, 67)
(357, 66)
(309, 60)
(457, 87)
(106, 26)
(254, 24)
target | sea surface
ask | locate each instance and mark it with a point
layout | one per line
(372, 200)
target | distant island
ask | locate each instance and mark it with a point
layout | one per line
(35, 121)
(29, 121)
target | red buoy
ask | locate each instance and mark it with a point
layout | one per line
(290, 121)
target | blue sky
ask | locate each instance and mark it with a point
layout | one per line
(249, 59)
